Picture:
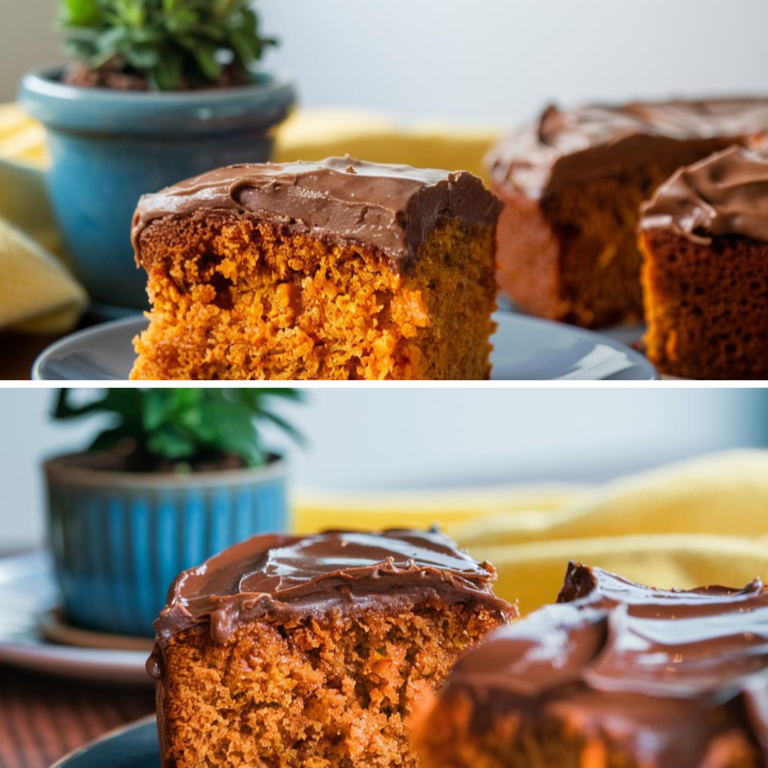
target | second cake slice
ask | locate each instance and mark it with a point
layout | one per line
(332, 270)
(615, 675)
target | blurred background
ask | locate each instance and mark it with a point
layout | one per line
(427, 59)
(416, 438)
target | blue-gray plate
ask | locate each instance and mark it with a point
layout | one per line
(134, 746)
(28, 593)
(525, 349)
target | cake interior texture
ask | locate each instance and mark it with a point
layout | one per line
(239, 296)
(616, 675)
(572, 256)
(704, 236)
(335, 692)
(706, 305)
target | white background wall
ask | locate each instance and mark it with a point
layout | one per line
(417, 437)
(486, 59)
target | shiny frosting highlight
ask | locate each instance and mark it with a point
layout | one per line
(392, 207)
(568, 146)
(345, 570)
(725, 194)
(660, 674)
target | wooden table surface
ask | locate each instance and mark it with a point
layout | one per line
(44, 718)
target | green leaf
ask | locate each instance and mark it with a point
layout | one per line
(168, 72)
(172, 443)
(147, 35)
(182, 423)
(107, 440)
(80, 13)
(110, 41)
(166, 40)
(62, 408)
(145, 57)
(154, 409)
(205, 30)
(205, 55)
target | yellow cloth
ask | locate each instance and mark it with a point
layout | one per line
(318, 133)
(307, 135)
(313, 134)
(37, 293)
(702, 521)
(21, 138)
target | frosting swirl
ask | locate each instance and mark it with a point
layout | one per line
(659, 673)
(568, 146)
(725, 194)
(345, 570)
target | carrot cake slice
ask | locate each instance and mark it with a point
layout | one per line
(704, 238)
(616, 675)
(573, 184)
(340, 269)
(313, 652)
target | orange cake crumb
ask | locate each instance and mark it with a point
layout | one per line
(333, 692)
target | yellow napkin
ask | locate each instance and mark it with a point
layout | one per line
(701, 521)
(319, 510)
(37, 293)
(21, 138)
(35, 296)
(318, 133)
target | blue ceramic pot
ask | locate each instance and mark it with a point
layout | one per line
(119, 539)
(110, 147)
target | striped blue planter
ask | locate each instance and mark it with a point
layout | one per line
(119, 539)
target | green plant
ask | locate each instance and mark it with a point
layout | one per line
(180, 429)
(169, 41)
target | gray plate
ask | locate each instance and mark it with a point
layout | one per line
(525, 349)
(134, 746)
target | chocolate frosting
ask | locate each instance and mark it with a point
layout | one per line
(725, 194)
(660, 674)
(287, 576)
(392, 207)
(569, 146)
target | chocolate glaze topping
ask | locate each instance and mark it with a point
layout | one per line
(286, 576)
(660, 674)
(392, 207)
(725, 194)
(569, 146)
